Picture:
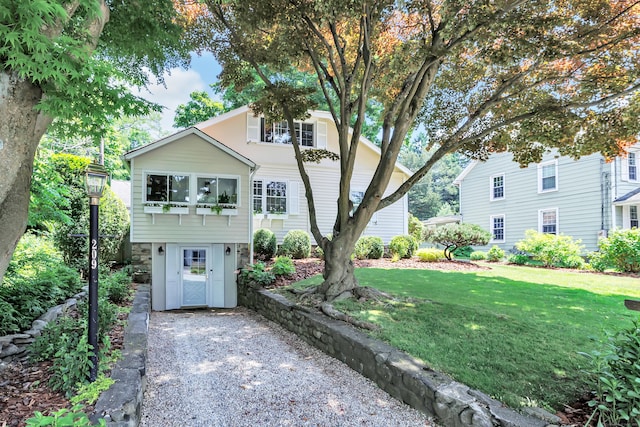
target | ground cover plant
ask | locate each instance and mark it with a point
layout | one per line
(512, 332)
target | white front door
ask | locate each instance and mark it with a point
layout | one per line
(195, 275)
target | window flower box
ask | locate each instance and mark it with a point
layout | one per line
(227, 209)
(277, 216)
(158, 208)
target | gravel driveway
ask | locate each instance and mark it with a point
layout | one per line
(235, 368)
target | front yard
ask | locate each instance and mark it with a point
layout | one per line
(511, 332)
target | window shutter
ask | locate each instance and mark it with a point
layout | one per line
(294, 198)
(321, 135)
(173, 297)
(624, 169)
(253, 128)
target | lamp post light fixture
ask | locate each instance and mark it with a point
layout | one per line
(95, 180)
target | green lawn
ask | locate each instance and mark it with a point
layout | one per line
(512, 332)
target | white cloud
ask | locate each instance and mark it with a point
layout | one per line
(175, 91)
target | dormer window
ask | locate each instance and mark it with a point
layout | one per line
(279, 133)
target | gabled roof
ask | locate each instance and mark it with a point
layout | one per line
(465, 172)
(186, 132)
(631, 198)
(318, 114)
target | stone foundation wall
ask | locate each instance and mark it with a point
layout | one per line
(403, 377)
(141, 262)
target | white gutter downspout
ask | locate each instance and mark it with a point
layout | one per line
(614, 194)
(251, 175)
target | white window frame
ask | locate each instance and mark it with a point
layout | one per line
(492, 219)
(168, 201)
(541, 224)
(632, 165)
(231, 204)
(278, 127)
(291, 198)
(541, 168)
(634, 209)
(492, 187)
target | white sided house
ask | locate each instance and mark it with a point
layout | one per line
(198, 196)
(584, 198)
(190, 219)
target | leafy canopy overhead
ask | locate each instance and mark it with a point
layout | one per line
(83, 54)
(483, 76)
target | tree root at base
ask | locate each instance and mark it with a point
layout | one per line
(329, 310)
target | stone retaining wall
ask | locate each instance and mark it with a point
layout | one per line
(400, 375)
(121, 405)
(14, 346)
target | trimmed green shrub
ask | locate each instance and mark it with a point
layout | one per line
(615, 378)
(264, 243)
(283, 266)
(478, 256)
(552, 250)
(416, 228)
(403, 246)
(369, 247)
(621, 251)
(453, 236)
(519, 259)
(296, 244)
(430, 254)
(495, 254)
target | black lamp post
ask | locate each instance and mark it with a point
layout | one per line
(96, 177)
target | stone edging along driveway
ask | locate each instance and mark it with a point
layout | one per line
(403, 377)
(400, 375)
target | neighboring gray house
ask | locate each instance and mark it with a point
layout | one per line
(582, 198)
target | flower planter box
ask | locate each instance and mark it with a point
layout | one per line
(175, 210)
(209, 211)
(277, 216)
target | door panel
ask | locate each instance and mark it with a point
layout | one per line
(217, 273)
(172, 275)
(195, 276)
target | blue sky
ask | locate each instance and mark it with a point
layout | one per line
(179, 83)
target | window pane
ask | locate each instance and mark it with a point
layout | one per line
(498, 187)
(305, 137)
(498, 228)
(281, 133)
(549, 177)
(276, 197)
(633, 215)
(633, 167)
(228, 191)
(549, 224)
(257, 197)
(179, 189)
(157, 188)
(207, 190)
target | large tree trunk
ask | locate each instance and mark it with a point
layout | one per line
(21, 128)
(338, 273)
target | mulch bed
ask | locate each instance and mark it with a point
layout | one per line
(24, 389)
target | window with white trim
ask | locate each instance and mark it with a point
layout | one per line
(216, 190)
(548, 176)
(356, 197)
(497, 187)
(279, 133)
(633, 217)
(497, 228)
(632, 164)
(270, 197)
(548, 221)
(166, 188)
